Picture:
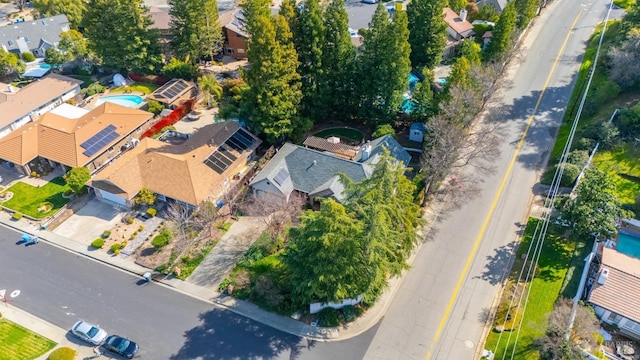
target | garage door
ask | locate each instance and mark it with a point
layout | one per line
(111, 197)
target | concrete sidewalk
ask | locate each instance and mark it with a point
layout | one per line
(208, 292)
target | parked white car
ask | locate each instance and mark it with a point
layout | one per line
(88, 332)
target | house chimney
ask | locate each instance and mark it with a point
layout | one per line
(366, 151)
(11, 89)
(603, 276)
(463, 14)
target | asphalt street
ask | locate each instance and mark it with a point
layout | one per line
(443, 303)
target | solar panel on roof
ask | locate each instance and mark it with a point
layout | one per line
(235, 144)
(244, 137)
(214, 166)
(100, 144)
(102, 133)
(281, 176)
(220, 160)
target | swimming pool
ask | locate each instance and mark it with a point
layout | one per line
(45, 66)
(628, 244)
(124, 100)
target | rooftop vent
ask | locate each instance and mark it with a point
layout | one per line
(603, 276)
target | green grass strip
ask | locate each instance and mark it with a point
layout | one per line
(18, 343)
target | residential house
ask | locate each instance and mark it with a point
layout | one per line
(459, 27)
(34, 36)
(19, 106)
(234, 30)
(314, 173)
(190, 171)
(161, 20)
(73, 138)
(614, 291)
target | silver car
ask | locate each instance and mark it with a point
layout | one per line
(89, 332)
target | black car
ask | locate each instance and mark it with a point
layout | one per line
(122, 346)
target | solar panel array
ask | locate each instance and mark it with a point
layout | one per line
(281, 176)
(222, 158)
(98, 141)
(171, 89)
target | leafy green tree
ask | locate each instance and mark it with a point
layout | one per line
(74, 44)
(386, 206)
(28, 57)
(337, 83)
(472, 51)
(118, 32)
(54, 57)
(194, 25)
(457, 5)
(427, 32)
(290, 11)
(425, 104)
(383, 78)
(180, 69)
(210, 88)
(382, 130)
(73, 9)
(325, 256)
(596, 208)
(526, 10)
(502, 34)
(273, 95)
(10, 63)
(309, 46)
(76, 179)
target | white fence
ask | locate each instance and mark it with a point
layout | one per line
(317, 307)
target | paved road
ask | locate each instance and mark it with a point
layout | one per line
(437, 313)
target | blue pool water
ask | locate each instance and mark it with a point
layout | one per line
(407, 106)
(629, 245)
(413, 81)
(124, 100)
(45, 66)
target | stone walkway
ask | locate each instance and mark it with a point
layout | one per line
(149, 227)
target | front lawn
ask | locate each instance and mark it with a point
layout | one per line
(546, 286)
(622, 163)
(145, 88)
(27, 198)
(19, 343)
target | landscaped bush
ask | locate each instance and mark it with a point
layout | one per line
(578, 158)
(569, 175)
(98, 243)
(115, 248)
(154, 107)
(328, 317)
(16, 216)
(152, 212)
(349, 313)
(63, 353)
(130, 220)
(95, 88)
(162, 239)
(106, 234)
(141, 228)
(28, 57)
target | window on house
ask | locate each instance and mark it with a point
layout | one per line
(26, 39)
(240, 51)
(10, 42)
(229, 51)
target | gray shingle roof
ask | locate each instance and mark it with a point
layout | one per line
(396, 150)
(38, 32)
(309, 169)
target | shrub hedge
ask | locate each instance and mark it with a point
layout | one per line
(106, 234)
(152, 212)
(116, 247)
(328, 317)
(98, 243)
(16, 216)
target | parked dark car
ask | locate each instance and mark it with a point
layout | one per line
(122, 346)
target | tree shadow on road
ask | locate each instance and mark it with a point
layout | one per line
(225, 335)
(497, 267)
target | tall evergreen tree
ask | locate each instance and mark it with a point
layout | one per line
(194, 25)
(526, 10)
(385, 204)
(425, 102)
(273, 95)
(427, 32)
(309, 45)
(502, 34)
(118, 32)
(384, 78)
(325, 256)
(290, 12)
(337, 83)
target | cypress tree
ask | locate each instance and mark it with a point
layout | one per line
(427, 32)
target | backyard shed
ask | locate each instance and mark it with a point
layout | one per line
(416, 132)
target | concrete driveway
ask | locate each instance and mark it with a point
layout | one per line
(90, 222)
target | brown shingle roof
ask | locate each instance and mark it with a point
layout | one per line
(57, 138)
(176, 171)
(342, 150)
(462, 27)
(33, 96)
(621, 291)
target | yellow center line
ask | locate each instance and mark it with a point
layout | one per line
(483, 229)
